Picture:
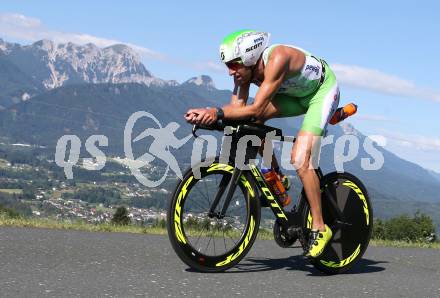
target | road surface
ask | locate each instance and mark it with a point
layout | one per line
(60, 263)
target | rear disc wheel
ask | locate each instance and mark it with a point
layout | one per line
(352, 232)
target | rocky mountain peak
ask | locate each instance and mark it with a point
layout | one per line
(349, 129)
(54, 65)
(121, 49)
(203, 80)
(6, 47)
(2, 45)
(44, 44)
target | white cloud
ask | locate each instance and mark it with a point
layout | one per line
(211, 66)
(378, 81)
(21, 27)
(422, 150)
(375, 118)
(414, 141)
(18, 26)
(20, 20)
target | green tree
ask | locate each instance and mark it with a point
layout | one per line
(121, 216)
(404, 227)
(379, 229)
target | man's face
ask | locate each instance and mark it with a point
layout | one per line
(241, 73)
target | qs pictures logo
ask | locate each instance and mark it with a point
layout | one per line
(163, 140)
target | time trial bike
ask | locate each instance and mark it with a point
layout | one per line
(213, 219)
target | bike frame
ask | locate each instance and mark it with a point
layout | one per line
(290, 221)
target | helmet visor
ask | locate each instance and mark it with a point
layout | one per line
(234, 64)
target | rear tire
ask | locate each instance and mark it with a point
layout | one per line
(349, 242)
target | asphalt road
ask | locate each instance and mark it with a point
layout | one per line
(56, 263)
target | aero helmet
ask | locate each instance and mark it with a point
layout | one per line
(245, 44)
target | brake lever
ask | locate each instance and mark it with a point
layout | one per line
(194, 129)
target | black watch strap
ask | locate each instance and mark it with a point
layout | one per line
(220, 114)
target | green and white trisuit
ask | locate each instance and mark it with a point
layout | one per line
(307, 93)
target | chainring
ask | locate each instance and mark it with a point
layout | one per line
(281, 238)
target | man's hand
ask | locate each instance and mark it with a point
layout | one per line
(206, 116)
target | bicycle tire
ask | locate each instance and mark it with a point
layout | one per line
(349, 243)
(179, 231)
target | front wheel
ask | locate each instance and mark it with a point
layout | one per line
(202, 239)
(347, 210)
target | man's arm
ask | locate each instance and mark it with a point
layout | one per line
(207, 116)
(273, 77)
(240, 95)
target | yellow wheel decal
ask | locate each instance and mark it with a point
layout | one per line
(309, 221)
(361, 196)
(242, 247)
(178, 209)
(221, 167)
(344, 262)
(247, 185)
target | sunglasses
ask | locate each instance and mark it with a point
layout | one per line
(234, 64)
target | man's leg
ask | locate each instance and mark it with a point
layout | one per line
(302, 155)
(321, 106)
(301, 158)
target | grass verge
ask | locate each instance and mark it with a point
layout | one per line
(263, 234)
(396, 243)
(48, 223)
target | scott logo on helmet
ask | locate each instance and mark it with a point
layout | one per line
(248, 45)
(222, 56)
(254, 47)
(313, 68)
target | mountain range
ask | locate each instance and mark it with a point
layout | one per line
(55, 89)
(436, 175)
(44, 65)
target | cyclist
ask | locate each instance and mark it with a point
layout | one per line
(291, 82)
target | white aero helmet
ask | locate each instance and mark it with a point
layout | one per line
(248, 45)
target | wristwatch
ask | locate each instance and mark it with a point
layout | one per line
(220, 114)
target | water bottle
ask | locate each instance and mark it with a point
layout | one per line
(277, 187)
(343, 112)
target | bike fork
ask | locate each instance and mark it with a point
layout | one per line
(230, 184)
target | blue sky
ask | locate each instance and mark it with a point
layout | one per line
(384, 53)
